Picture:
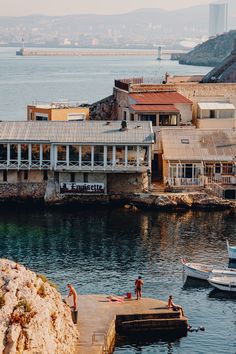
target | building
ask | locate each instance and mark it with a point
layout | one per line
(218, 19)
(57, 111)
(200, 157)
(163, 107)
(55, 159)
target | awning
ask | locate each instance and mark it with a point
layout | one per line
(215, 105)
(154, 108)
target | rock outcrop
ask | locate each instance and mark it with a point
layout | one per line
(33, 317)
(211, 52)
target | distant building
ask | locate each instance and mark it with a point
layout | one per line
(56, 111)
(218, 19)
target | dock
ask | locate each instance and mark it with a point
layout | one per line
(99, 320)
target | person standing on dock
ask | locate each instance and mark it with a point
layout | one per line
(138, 287)
(73, 294)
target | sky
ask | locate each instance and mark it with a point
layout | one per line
(67, 7)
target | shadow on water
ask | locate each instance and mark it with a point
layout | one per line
(138, 342)
(222, 295)
(195, 283)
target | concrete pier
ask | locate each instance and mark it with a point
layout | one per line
(100, 319)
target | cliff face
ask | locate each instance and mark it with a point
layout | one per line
(33, 317)
(211, 52)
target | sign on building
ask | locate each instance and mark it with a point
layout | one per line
(81, 188)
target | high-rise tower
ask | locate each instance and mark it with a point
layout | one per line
(218, 19)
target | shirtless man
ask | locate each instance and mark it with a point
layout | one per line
(73, 293)
(172, 306)
(138, 287)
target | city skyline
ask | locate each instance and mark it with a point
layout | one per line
(27, 7)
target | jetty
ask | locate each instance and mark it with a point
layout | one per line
(97, 53)
(100, 319)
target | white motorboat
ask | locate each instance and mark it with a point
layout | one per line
(223, 272)
(224, 283)
(231, 252)
(196, 270)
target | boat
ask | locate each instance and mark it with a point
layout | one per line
(196, 270)
(224, 283)
(231, 252)
(217, 272)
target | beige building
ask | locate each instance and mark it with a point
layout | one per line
(199, 158)
(58, 111)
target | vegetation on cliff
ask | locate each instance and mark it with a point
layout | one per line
(211, 52)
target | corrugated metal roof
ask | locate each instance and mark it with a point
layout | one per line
(91, 132)
(159, 98)
(215, 105)
(198, 144)
(154, 108)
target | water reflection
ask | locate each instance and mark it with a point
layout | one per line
(103, 251)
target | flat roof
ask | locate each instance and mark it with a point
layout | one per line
(215, 105)
(159, 98)
(91, 132)
(198, 144)
(154, 108)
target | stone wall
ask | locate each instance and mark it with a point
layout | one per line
(127, 183)
(104, 109)
(25, 190)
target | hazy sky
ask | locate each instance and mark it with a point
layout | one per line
(65, 7)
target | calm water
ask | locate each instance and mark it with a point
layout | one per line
(103, 252)
(24, 79)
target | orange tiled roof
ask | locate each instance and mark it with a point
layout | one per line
(154, 98)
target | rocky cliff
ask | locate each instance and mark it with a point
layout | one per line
(211, 52)
(33, 317)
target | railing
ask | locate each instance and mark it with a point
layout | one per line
(221, 179)
(181, 182)
(216, 189)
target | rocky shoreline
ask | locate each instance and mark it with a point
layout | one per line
(143, 201)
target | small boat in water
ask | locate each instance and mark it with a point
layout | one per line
(231, 252)
(224, 283)
(196, 270)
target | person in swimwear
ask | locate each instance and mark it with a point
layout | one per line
(138, 287)
(172, 306)
(73, 293)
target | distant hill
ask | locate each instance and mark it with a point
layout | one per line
(143, 27)
(211, 52)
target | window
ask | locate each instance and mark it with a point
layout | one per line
(37, 117)
(26, 174)
(85, 177)
(46, 152)
(132, 116)
(13, 152)
(227, 168)
(125, 115)
(61, 152)
(45, 175)
(24, 152)
(86, 154)
(4, 175)
(98, 155)
(74, 153)
(3, 152)
(35, 151)
(212, 113)
(167, 119)
(217, 168)
(148, 118)
(185, 141)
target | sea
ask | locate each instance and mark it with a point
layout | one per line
(103, 250)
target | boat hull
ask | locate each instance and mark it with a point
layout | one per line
(222, 286)
(231, 253)
(192, 272)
